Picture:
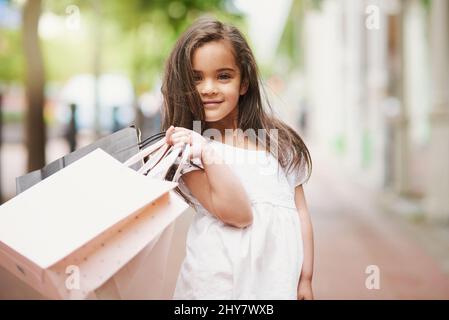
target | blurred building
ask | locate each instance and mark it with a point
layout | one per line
(116, 98)
(375, 83)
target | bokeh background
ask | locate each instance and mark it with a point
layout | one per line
(364, 82)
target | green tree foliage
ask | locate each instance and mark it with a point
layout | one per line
(11, 61)
(150, 28)
(137, 36)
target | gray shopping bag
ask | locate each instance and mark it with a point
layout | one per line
(121, 145)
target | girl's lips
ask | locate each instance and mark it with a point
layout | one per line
(212, 103)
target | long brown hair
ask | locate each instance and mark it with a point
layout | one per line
(183, 105)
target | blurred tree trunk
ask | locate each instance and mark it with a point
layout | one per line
(97, 58)
(35, 135)
(138, 119)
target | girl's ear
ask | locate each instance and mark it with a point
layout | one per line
(244, 87)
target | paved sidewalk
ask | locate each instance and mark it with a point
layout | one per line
(352, 233)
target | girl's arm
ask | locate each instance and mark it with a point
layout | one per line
(305, 281)
(219, 190)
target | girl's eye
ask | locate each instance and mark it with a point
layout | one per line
(224, 76)
(196, 78)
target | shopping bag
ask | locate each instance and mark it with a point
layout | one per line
(121, 145)
(164, 161)
(71, 233)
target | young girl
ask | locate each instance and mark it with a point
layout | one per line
(251, 236)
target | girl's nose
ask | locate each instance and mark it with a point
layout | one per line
(208, 88)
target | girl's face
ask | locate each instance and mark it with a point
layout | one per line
(217, 79)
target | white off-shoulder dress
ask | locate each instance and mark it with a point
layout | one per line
(262, 261)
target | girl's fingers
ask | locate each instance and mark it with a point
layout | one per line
(168, 134)
(182, 136)
(182, 130)
(170, 130)
(179, 144)
(178, 135)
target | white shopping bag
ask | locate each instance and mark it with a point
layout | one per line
(73, 232)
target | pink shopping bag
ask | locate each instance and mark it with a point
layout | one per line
(90, 226)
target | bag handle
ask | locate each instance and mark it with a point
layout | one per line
(182, 162)
(155, 158)
(145, 152)
(162, 158)
(161, 169)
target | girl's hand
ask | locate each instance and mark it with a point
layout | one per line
(178, 136)
(305, 290)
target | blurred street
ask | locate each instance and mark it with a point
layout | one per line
(352, 231)
(364, 83)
